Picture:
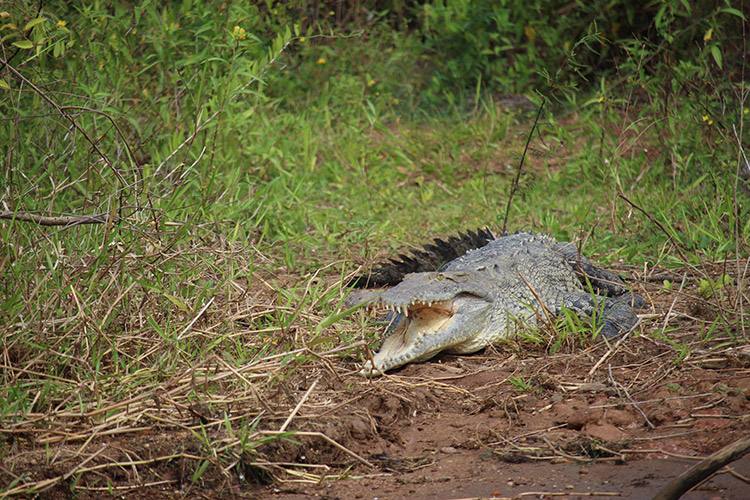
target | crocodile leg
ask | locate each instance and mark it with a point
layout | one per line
(602, 281)
(617, 313)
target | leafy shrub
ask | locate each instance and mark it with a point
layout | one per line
(515, 45)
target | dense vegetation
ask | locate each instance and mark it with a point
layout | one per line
(238, 153)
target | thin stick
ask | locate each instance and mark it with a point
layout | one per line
(299, 405)
(40, 486)
(255, 392)
(197, 316)
(677, 245)
(125, 487)
(671, 307)
(570, 494)
(621, 388)
(514, 186)
(612, 349)
(703, 470)
(190, 138)
(59, 220)
(326, 438)
(67, 116)
(77, 467)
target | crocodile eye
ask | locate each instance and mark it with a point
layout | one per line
(439, 277)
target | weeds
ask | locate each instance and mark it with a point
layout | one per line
(520, 384)
(233, 181)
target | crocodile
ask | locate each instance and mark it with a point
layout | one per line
(462, 294)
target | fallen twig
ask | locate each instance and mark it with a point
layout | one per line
(612, 350)
(325, 438)
(569, 494)
(56, 220)
(703, 470)
(299, 405)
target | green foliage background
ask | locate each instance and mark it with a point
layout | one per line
(238, 139)
(251, 155)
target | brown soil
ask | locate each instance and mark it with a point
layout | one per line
(472, 476)
(593, 418)
(458, 429)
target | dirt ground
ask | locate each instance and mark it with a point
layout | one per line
(464, 435)
(518, 420)
(468, 475)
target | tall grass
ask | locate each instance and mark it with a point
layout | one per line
(243, 170)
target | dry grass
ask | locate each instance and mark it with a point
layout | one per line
(176, 325)
(174, 419)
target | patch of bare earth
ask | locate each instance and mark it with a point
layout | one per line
(598, 420)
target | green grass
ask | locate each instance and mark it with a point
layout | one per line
(297, 172)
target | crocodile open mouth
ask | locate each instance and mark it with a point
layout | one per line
(418, 330)
(419, 319)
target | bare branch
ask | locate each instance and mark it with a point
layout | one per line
(677, 245)
(514, 186)
(60, 220)
(67, 116)
(703, 470)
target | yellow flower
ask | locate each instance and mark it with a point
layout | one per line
(707, 119)
(321, 61)
(530, 33)
(709, 35)
(239, 33)
(371, 82)
(62, 23)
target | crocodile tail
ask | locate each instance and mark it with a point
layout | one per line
(432, 257)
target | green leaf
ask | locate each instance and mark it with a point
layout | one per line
(4, 85)
(179, 303)
(716, 53)
(34, 22)
(734, 12)
(24, 44)
(198, 473)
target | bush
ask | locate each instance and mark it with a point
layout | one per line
(517, 45)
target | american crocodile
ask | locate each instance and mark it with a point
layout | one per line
(468, 292)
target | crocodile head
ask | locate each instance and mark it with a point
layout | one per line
(431, 312)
